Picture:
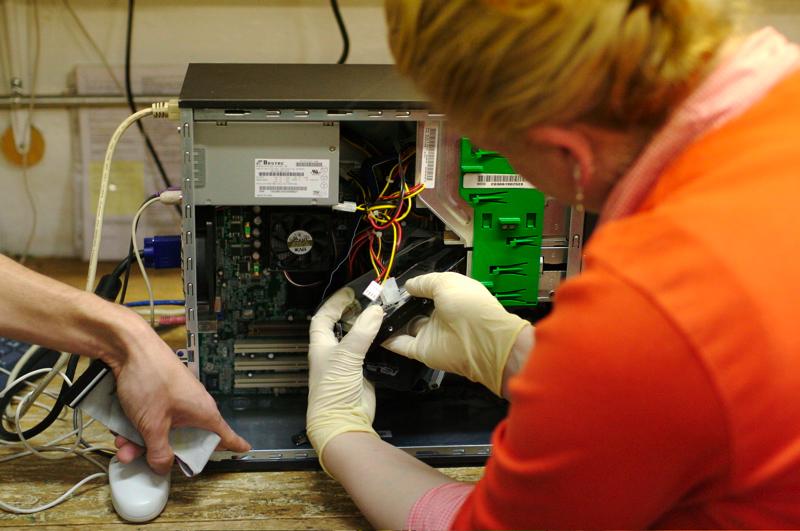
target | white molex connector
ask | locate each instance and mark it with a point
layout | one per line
(347, 206)
(373, 291)
(390, 293)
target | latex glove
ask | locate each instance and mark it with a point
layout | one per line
(340, 399)
(469, 332)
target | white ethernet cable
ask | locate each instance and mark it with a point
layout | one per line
(159, 110)
(48, 448)
(139, 259)
(21, 362)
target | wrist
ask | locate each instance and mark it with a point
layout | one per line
(321, 441)
(518, 356)
(116, 329)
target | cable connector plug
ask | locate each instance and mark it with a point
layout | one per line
(167, 109)
(347, 206)
(162, 252)
(171, 197)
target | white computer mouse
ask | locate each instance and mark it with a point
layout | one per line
(138, 493)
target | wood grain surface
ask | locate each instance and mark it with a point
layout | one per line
(242, 500)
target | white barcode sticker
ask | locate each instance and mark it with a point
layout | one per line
(430, 154)
(292, 178)
(495, 180)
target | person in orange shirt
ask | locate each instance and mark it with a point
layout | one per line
(662, 391)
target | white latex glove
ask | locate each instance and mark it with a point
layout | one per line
(469, 332)
(340, 399)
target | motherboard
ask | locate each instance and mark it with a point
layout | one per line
(267, 269)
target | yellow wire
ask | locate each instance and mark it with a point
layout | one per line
(389, 180)
(375, 266)
(404, 216)
(377, 213)
(391, 207)
(391, 257)
(372, 259)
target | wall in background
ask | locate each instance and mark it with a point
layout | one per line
(783, 14)
(179, 32)
(166, 32)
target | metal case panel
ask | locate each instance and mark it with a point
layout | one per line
(306, 86)
(226, 155)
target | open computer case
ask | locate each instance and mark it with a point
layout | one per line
(275, 157)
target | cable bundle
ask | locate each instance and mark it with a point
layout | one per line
(386, 213)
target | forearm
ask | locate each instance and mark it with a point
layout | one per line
(40, 310)
(518, 356)
(384, 482)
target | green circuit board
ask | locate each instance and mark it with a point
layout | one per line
(247, 318)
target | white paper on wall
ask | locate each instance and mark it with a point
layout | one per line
(134, 175)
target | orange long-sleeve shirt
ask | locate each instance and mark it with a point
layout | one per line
(664, 390)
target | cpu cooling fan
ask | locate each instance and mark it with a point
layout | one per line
(301, 242)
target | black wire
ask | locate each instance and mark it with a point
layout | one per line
(122, 266)
(343, 31)
(61, 401)
(51, 417)
(129, 260)
(132, 104)
(339, 266)
(126, 263)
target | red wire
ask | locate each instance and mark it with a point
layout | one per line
(376, 257)
(397, 214)
(399, 236)
(171, 320)
(395, 195)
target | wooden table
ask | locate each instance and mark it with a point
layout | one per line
(242, 500)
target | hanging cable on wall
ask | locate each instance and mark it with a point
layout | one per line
(23, 144)
(129, 96)
(343, 30)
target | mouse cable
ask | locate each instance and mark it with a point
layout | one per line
(53, 450)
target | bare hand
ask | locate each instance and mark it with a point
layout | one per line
(158, 393)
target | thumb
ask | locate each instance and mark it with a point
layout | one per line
(159, 452)
(425, 286)
(405, 345)
(363, 333)
(230, 440)
(409, 344)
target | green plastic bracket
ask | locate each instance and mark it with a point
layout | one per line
(507, 238)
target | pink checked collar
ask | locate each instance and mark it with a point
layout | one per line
(763, 61)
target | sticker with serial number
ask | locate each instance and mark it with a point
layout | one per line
(495, 180)
(292, 178)
(430, 154)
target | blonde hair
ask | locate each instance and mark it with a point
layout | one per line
(507, 65)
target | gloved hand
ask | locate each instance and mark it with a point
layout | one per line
(469, 332)
(339, 398)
